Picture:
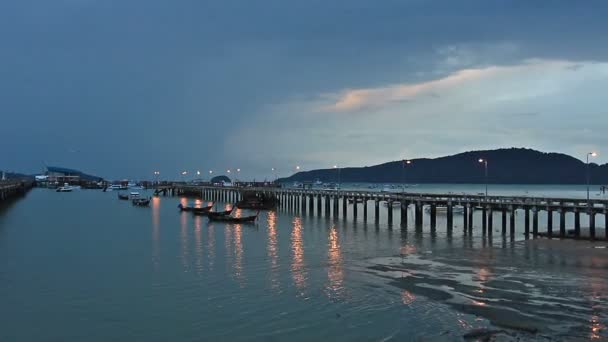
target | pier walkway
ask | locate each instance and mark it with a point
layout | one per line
(326, 202)
(10, 188)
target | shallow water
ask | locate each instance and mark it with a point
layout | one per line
(86, 266)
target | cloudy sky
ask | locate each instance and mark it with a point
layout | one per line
(121, 88)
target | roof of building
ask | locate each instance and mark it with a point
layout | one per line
(82, 175)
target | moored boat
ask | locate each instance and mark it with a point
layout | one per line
(232, 219)
(194, 209)
(141, 202)
(65, 188)
(123, 197)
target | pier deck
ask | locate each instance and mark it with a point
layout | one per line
(324, 202)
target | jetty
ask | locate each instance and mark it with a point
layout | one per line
(13, 188)
(335, 202)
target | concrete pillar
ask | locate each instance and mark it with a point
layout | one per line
(606, 224)
(527, 221)
(465, 216)
(450, 217)
(419, 214)
(327, 205)
(344, 206)
(504, 221)
(562, 222)
(355, 205)
(404, 205)
(303, 202)
(535, 221)
(490, 220)
(471, 209)
(336, 206)
(591, 225)
(433, 215)
(311, 204)
(390, 213)
(549, 222)
(484, 219)
(512, 222)
(377, 211)
(319, 204)
(577, 223)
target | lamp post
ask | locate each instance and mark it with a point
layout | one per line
(485, 165)
(338, 168)
(274, 173)
(210, 175)
(238, 172)
(590, 154)
(406, 162)
(156, 174)
(184, 173)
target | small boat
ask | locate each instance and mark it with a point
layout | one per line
(141, 202)
(194, 209)
(134, 195)
(117, 187)
(232, 219)
(318, 182)
(65, 188)
(123, 197)
(214, 213)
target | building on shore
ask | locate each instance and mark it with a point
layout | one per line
(60, 175)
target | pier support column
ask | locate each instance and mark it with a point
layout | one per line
(336, 206)
(490, 220)
(355, 205)
(484, 219)
(512, 222)
(344, 206)
(549, 222)
(390, 213)
(311, 204)
(527, 221)
(418, 213)
(327, 205)
(591, 225)
(319, 204)
(303, 202)
(465, 216)
(562, 222)
(605, 224)
(404, 205)
(577, 223)
(365, 209)
(377, 211)
(450, 217)
(433, 215)
(535, 221)
(504, 221)
(471, 209)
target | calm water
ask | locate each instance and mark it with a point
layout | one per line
(85, 266)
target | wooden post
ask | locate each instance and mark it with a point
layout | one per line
(404, 205)
(562, 222)
(433, 214)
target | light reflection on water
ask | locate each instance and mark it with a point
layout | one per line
(285, 277)
(298, 268)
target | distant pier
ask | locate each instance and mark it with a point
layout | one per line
(330, 202)
(9, 188)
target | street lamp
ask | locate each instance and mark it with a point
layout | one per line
(590, 154)
(406, 162)
(156, 174)
(184, 173)
(338, 168)
(485, 165)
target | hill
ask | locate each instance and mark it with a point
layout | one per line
(505, 166)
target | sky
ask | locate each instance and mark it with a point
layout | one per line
(123, 88)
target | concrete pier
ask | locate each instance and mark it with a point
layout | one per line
(508, 206)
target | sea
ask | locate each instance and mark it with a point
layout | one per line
(85, 266)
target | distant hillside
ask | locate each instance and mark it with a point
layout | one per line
(505, 166)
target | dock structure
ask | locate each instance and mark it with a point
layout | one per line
(304, 200)
(11, 188)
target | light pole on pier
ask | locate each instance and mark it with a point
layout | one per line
(590, 154)
(274, 173)
(184, 173)
(485, 165)
(338, 168)
(406, 162)
(156, 174)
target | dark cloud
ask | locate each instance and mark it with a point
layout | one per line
(136, 86)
